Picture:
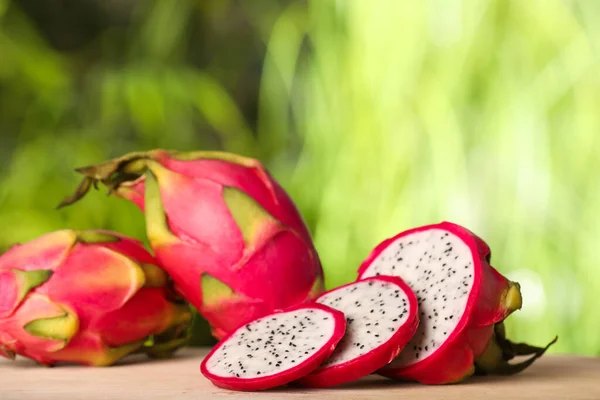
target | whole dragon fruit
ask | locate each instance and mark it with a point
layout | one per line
(462, 303)
(86, 297)
(222, 227)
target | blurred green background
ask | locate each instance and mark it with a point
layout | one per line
(377, 116)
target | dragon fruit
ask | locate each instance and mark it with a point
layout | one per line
(86, 297)
(222, 227)
(275, 349)
(461, 299)
(381, 317)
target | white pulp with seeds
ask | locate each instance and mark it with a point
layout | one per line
(374, 310)
(273, 344)
(438, 266)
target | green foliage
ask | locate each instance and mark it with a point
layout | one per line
(376, 116)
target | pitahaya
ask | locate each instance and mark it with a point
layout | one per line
(222, 227)
(381, 317)
(461, 297)
(275, 349)
(86, 297)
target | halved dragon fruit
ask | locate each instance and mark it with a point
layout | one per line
(461, 297)
(275, 349)
(381, 317)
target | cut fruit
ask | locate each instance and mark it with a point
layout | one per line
(381, 317)
(460, 299)
(276, 349)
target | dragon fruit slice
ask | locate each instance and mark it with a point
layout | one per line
(461, 297)
(381, 317)
(275, 349)
(225, 231)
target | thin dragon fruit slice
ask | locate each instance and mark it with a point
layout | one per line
(461, 297)
(381, 317)
(275, 349)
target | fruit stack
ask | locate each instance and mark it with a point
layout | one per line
(426, 306)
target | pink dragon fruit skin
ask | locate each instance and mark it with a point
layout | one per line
(224, 230)
(86, 297)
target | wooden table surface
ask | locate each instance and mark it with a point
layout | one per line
(552, 377)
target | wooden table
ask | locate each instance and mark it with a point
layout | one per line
(552, 377)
